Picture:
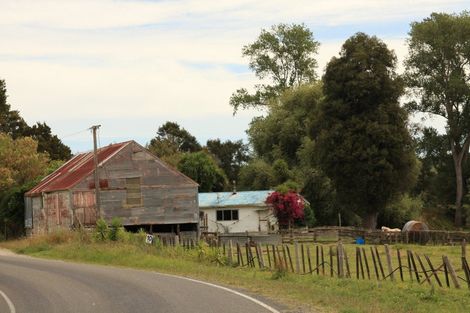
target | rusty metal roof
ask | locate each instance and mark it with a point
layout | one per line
(75, 170)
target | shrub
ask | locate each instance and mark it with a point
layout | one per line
(288, 207)
(101, 231)
(116, 230)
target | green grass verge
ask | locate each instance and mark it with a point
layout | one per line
(309, 292)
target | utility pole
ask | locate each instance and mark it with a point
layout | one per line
(97, 179)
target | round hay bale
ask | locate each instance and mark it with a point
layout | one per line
(415, 226)
(417, 231)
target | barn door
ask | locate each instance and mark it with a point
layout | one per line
(84, 208)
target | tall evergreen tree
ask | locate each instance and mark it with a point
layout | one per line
(48, 142)
(171, 139)
(11, 122)
(363, 144)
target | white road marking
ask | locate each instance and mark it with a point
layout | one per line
(264, 305)
(8, 301)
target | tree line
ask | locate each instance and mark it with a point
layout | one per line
(343, 140)
(346, 140)
(27, 153)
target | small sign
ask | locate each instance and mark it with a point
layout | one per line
(149, 239)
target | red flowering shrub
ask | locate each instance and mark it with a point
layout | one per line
(287, 207)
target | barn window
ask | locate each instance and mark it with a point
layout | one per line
(134, 193)
(227, 215)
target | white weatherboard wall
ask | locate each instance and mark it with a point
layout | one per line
(250, 219)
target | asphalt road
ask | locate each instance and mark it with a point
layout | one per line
(43, 286)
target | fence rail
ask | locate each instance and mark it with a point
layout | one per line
(334, 234)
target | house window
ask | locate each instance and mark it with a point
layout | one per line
(227, 215)
(133, 191)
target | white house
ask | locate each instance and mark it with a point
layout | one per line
(236, 212)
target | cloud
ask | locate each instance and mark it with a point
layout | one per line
(88, 61)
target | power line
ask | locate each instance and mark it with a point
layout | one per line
(76, 133)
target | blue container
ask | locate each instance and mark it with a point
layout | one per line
(360, 241)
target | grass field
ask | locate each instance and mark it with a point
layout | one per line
(300, 293)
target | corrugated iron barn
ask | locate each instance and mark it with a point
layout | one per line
(134, 185)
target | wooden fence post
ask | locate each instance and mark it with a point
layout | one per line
(375, 264)
(285, 257)
(290, 259)
(380, 263)
(239, 255)
(414, 265)
(399, 264)
(424, 269)
(275, 259)
(446, 273)
(230, 255)
(269, 256)
(357, 262)
(297, 257)
(259, 255)
(317, 248)
(309, 261)
(389, 262)
(346, 260)
(302, 250)
(248, 257)
(464, 252)
(433, 270)
(340, 256)
(451, 270)
(366, 262)
(409, 264)
(466, 270)
(280, 262)
(331, 261)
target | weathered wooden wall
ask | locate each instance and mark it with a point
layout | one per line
(50, 211)
(168, 197)
(84, 208)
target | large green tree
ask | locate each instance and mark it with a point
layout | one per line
(171, 138)
(438, 73)
(282, 57)
(21, 166)
(257, 175)
(283, 145)
(282, 132)
(202, 168)
(231, 155)
(363, 144)
(20, 162)
(172, 142)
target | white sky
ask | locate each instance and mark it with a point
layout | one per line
(132, 65)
